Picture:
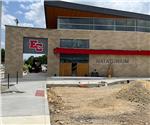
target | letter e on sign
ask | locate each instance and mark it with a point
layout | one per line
(36, 45)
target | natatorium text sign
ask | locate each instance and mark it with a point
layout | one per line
(112, 61)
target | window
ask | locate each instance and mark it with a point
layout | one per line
(74, 43)
(121, 22)
(140, 23)
(104, 21)
(131, 22)
(103, 27)
(118, 24)
(72, 26)
(66, 58)
(124, 28)
(76, 20)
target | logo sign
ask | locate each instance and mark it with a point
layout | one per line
(35, 45)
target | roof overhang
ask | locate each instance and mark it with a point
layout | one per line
(52, 6)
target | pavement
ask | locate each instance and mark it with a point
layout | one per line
(26, 103)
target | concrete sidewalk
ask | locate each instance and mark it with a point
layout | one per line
(27, 107)
(88, 80)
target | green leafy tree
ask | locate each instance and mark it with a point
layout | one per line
(42, 59)
(29, 61)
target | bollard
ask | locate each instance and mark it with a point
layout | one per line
(8, 80)
(17, 78)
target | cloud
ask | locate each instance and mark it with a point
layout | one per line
(139, 6)
(2, 44)
(35, 14)
(22, 6)
(20, 1)
(132, 6)
(19, 12)
(26, 24)
(7, 20)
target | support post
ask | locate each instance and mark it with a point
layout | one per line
(8, 80)
(17, 78)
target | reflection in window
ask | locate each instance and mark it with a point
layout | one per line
(76, 20)
(69, 26)
(124, 28)
(74, 43)
(104, 21)
(67, 58)
(104, 27)
(142, 29)
(123, 24)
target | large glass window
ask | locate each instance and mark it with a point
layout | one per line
(67, 58)
(103, 21)
(103, 27)
(74, 43)
(76, 20)
(131, 22)
(72, 26)
(123, 24)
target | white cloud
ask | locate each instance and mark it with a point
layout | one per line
(7, 20)
(133, 6)
(35, 14)
(22, 6)
(26, 25)
(2, 44)
(19, 12)
(139, 6)
(20, 1)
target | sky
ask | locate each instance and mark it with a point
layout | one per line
(30, 13)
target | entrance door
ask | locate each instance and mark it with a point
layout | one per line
(82, 69)
(65, 69)
(74, 69)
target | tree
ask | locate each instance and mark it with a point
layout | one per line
(29, 61)
(42, 59)
(2, 55)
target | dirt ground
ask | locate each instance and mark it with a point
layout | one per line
(121, 104)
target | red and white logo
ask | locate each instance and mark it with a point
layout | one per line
(36, 45)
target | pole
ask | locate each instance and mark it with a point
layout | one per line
(17, 78)
(8, 80)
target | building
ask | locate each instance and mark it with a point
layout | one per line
(79, 39)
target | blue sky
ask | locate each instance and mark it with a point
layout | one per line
(30, 13)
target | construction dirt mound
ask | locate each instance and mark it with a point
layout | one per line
(136, 91)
